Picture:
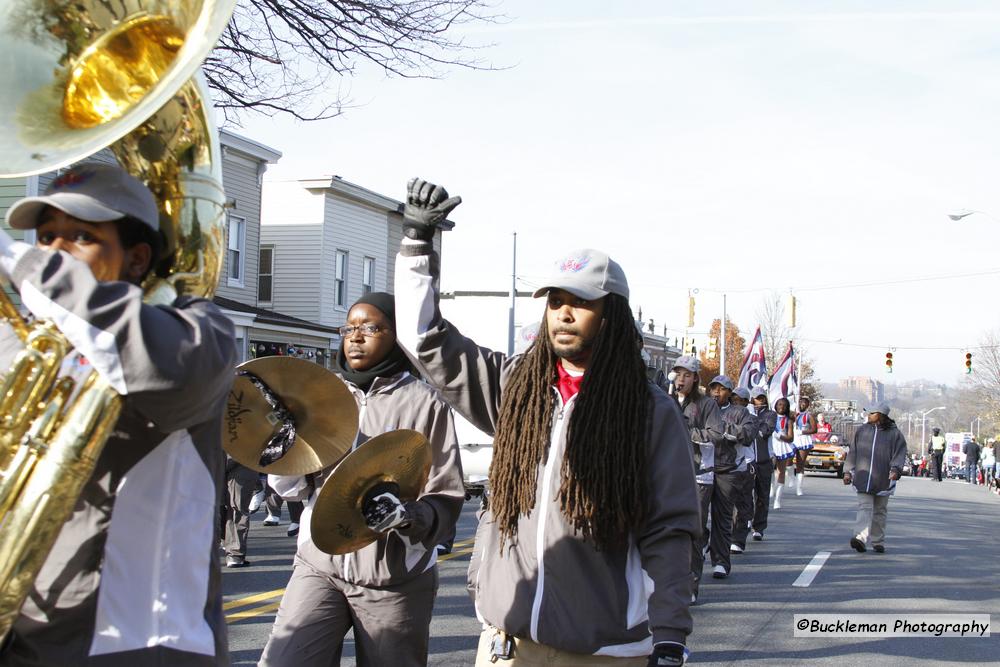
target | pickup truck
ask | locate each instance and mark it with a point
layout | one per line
(826, 457)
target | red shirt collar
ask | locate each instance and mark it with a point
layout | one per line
(568, 385)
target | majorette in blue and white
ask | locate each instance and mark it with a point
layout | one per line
(782, 450)
(801, 441)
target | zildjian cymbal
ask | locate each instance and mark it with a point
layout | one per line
(401, 458)
(324, 410)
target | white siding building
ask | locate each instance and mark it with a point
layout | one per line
(330, 241)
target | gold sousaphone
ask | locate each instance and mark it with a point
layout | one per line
(79, 76)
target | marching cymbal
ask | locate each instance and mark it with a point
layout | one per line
(400, 457)
(325, 412)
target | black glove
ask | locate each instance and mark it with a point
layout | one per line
(385, 512)
(668, 654)
(427, 206)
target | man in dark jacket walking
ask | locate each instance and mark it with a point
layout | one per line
(972, 450)
(874, 463)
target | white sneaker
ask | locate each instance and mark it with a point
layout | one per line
(256, 501)
(271, 520)
(293, 529)
(719, 572)
(735, 549)
(758, 536)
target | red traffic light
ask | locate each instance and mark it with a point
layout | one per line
(888, 362)
(968, 362)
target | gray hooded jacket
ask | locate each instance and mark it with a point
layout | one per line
(133, 578)
(550, 585)
(392, 403)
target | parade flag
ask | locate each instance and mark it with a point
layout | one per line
(754, 371)
(785, 381)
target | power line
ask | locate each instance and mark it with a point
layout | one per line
(874, 346)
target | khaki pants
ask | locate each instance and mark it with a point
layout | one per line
(529, 654)
(872, 511)
(391, 625)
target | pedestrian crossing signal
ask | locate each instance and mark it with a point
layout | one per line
(968, 362)
(888, 362)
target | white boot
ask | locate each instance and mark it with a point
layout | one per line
(777, 498)
(770, 494)
(798, 483)
(788, 480)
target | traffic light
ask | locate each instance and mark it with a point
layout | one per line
(690, 311)
(792, 301)
(968, 362)
(888, 362)
(713, 347)
(688, 346)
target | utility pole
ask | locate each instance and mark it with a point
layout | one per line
(722, 343)
(513, 301)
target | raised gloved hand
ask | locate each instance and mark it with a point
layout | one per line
(668, 654)
(385, 512)
(427, 206)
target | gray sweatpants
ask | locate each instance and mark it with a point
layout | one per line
(391, 624)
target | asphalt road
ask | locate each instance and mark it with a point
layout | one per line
(941, 557)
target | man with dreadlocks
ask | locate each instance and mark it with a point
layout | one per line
(582, 556)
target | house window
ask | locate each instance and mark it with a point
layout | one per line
(368, 275)
(265, 274)
(340, 280)
(237, 239)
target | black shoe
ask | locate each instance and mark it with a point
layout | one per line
(858, 545)
(237, 561)
(758, 536)
(879, 548)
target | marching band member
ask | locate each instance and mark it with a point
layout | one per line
(781, 444)
(126, 582)
(743, 510)
(763, 460)
(705, 428)
(805, 428)
(386, 590)
(729, 457)
(582, 554)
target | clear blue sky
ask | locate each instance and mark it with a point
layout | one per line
(768, 145)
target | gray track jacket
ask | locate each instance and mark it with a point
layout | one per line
(133, 578)
(392, 403)
(740, 424)
(873, 454)
(552, 586)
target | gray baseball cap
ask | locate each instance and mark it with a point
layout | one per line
(758, 391)
(587, 273)
(881, 408)
(742, 392)
(688, 362)
(92, 192)
(723, 380)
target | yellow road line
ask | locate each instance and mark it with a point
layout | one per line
(250, 613)
(456, 554)
(242, 602)
(278, 592)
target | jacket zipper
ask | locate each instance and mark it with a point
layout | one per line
(547, 472)
(871, 466)
(361, 420)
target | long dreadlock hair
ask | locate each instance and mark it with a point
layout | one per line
(603, 487)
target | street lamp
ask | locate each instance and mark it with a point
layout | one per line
(923, 428)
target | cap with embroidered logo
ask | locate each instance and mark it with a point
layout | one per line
(587, 273)
(92, 192)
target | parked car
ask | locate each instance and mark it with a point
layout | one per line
(476, 451)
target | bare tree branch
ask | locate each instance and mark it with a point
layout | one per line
(292, 56)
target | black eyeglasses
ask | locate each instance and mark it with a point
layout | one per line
(367, 330)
